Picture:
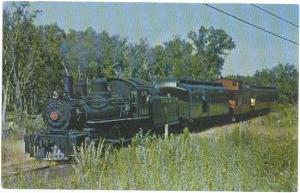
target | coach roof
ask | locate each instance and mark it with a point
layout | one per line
(190, 84)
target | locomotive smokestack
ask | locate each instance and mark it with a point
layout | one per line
(68, 86)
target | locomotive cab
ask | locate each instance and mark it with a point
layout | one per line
(135, 93)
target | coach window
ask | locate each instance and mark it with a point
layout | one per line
(133, 96)
(144, 99)
(133, 100)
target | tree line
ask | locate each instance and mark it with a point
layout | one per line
(283, 76)
(35, 58)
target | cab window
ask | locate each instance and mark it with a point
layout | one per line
(133, 96)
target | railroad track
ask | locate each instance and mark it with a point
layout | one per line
(29, 166)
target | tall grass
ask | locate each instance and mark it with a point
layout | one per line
(255, 155)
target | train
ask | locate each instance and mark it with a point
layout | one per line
(116, 109)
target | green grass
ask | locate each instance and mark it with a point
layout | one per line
(256, 155)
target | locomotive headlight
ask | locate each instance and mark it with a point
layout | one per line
(53, 116)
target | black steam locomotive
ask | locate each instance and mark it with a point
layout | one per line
(116, 109)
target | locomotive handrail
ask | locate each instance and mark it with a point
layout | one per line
(114, 120)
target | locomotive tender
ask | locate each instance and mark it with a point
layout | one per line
(116, 109)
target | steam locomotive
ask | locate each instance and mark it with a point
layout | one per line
(116, 109)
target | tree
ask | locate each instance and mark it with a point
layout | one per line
(157, 62)
(120, 60)
(32, 62)
(85, 51)
(286, 77)
(210, 47)
(7, 68)
(19, 58)
(90, 54)
(178, 57)
(48, 70)
(138, 59)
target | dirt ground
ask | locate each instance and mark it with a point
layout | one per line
(14, 159)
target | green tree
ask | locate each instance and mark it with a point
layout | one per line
(178, 57)
(157, 63)
(138, 59)
(32, 62)
(89, 54)
(284, 77)
(210, 47)
(49, 69)
(19, 56)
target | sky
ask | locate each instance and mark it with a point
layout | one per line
(160, 22)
